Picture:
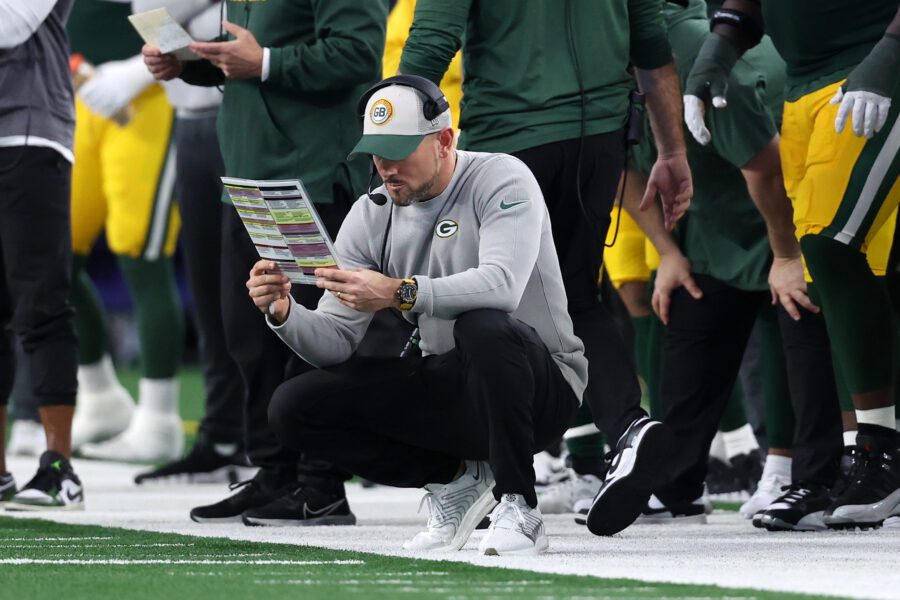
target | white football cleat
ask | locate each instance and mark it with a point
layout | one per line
(455, 509)
(151, 437)
(100, 416)
(26, 438)
(569, 495)
(516, 529)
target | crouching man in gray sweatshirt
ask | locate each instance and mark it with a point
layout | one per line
(464, 250)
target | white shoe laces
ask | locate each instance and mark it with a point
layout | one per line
(436, 514)
(502, 511)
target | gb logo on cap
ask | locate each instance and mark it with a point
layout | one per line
(381, 112)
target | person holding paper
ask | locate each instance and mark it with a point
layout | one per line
(37, 120)
(291, 71)
(219, 452)
(464, 249)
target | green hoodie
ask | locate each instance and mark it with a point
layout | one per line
(302, 121)
(520, 87)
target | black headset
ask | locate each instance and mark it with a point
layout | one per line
(434, 106)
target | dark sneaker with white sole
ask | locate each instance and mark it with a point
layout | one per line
(253, 494)
(873, 495)
(205, 463)
(55, 486)
(635, 471)
(799, 508)
(7, 488)
(303, 505)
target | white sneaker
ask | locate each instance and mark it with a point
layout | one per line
(455, 509)
(150, 437)
(102, 415)
(549, 469)
(768, 490)
(570, 495)
(26, 438)
(516, 528)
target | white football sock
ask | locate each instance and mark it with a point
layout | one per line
(777, 466)
(740, 441)
(717, 448)
(159, 395)
(850, 438)
(882, 417)
(97, 377)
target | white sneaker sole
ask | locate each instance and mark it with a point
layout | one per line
(540, 546)
(652, 520)
(19, 507)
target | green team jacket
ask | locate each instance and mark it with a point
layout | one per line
(520, 87)
(302, 121)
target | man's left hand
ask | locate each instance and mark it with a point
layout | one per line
(360, 289)
(240, 58)
(670, 177)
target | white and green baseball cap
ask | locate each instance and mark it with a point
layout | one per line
(394, 123)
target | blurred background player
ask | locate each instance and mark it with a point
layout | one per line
(36, 139)
(122, 184)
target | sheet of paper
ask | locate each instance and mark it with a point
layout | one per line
(283, 225)
(159, 29)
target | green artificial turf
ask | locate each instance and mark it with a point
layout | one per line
(40, 559)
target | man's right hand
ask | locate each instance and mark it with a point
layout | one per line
(267, 288)
(163, 67)
(674, 271)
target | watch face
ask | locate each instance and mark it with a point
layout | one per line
(407, 293)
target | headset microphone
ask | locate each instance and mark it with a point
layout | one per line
(378, 199)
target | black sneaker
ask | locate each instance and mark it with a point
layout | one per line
(55, 486)
(799, 508)
(253, 493)
(851, 460)
(749, 468)
(205, 463)
(873, 494)
(722, 480)
(303, 504)
(635, 470)
(657, 512)
(7, 488)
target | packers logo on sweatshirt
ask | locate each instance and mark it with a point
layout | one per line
(446, 228)
(381, 112)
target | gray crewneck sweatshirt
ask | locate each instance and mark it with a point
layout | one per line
(484, 242)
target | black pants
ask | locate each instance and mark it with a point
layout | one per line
(702, 350)
(36, 263)
(613, 394)
(497, 396)
(199, 194)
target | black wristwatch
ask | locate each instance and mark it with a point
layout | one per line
(407, 293)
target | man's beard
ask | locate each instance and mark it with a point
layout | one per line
(423, 192)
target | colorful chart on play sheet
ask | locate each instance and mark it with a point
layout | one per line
(283, 225)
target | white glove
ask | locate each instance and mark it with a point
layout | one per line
(115, 84)
(869, 110)
(694, 113)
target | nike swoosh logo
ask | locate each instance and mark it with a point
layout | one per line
(504, 205)
(309, 513)
(72, 497)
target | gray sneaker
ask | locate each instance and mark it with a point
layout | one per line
(7, 488)
(455, 509)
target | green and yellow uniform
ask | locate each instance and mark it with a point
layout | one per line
(123, 176)
(842, 186)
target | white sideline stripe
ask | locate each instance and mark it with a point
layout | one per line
(876, 177)
(159, 561)
(56, 539)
